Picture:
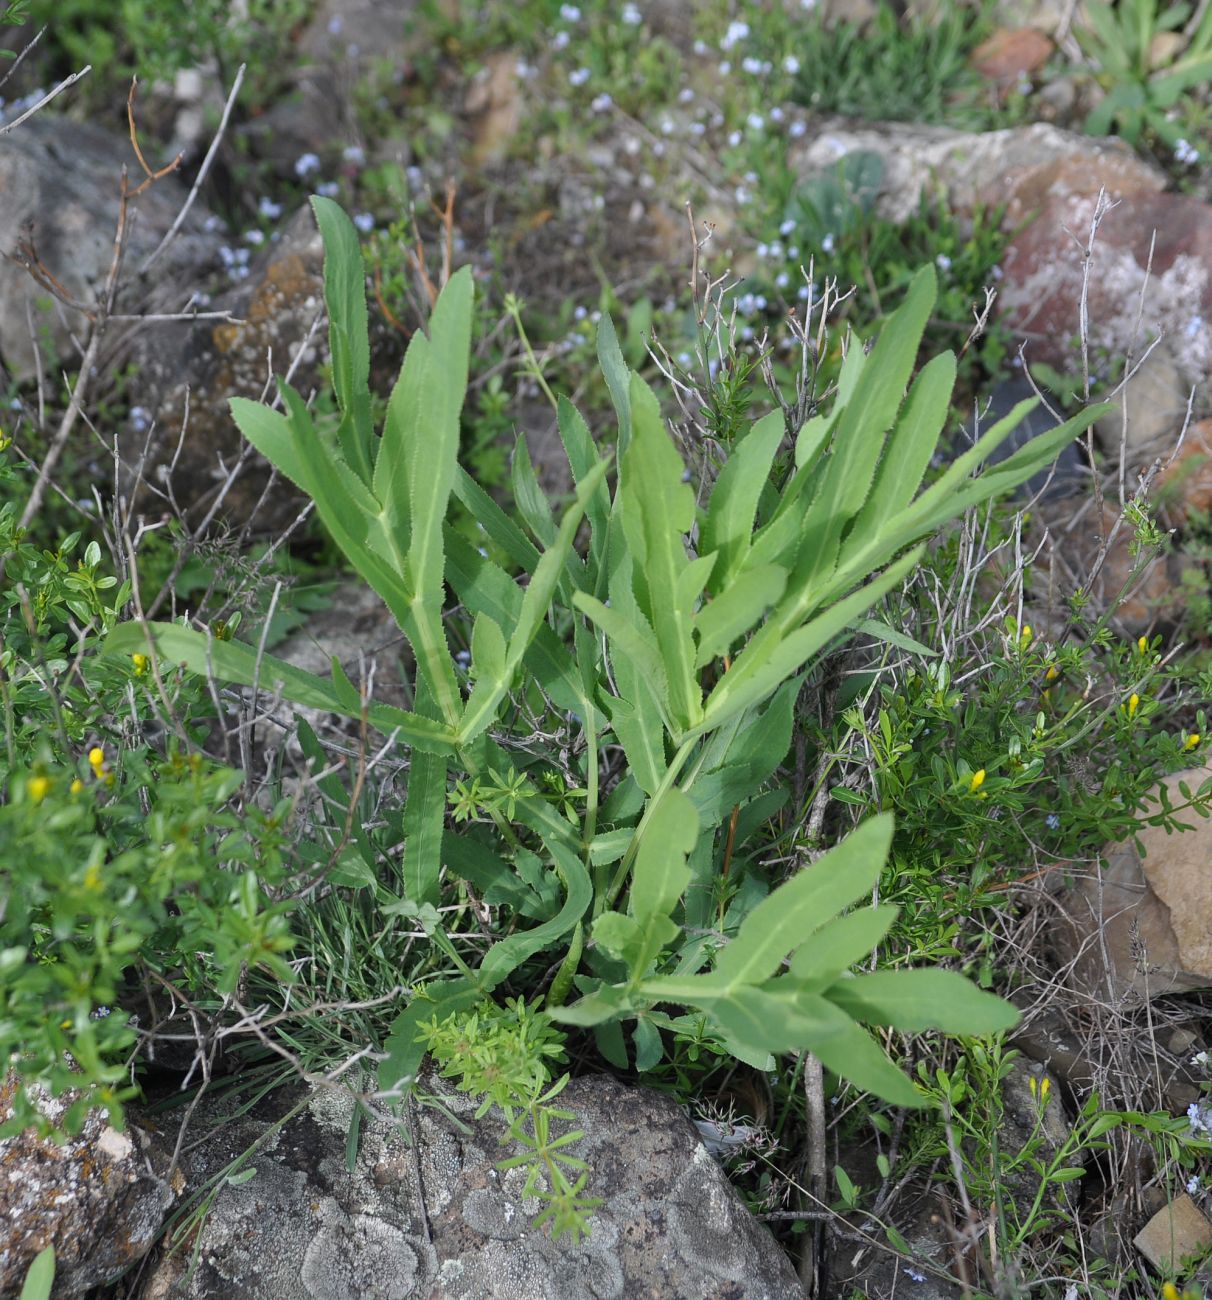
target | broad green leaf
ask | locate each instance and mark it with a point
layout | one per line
(859, 435)
(917, 1000)
(582, 457)
(505, 956)
(660, 874)
(469, 858)
(882, 632)
(603, 1004)
(798, 908)
(618, 379)
(529, 497)
(40, 1278)
(842, 943)
(764, 1022)
(403, 432)
(735, 610)
(638, 729)
(487, 649)
(348, 332)
(907, 456)
(728, 528)
(631, 641)
(649, 1050)
(658, 510)
(233, 661)
(485, 588)
(767, 661)
(495, 522)
(536, 601)
(852, 1054)
(343, 502)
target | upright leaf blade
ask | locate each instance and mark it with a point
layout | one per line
(348, 332)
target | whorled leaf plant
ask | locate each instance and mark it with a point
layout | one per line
(679, 636)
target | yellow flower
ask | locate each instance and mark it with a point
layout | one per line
(38, 788)
(76, 786)
(1052, 674)
(1169, 1291)
(1192, 740)
(1143, 645)
(1032, 1084)
(1027, 634)
(141, 664)
(1045, 1086)
(1133, 704)
(978, 779)
(96, 756)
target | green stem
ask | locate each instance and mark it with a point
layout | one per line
(514, 308)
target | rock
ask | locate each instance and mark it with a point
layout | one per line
(1185, 484)
(204, 362)
(1012, 52)
(1024, 168)
(1144, 925)
(99, 1199)
(1030, 1117)
(1149, 413)
(1174, 1233)
(1171, 234)
(303, 1225)
(63, 177)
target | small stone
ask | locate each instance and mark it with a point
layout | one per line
(1012, 52)
(1178, 1230)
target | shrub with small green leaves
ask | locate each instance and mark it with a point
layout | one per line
(120, 863)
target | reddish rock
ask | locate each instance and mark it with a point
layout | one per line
(1024, 168)
(1012, 52)
(1043, 273)
(1185, 484)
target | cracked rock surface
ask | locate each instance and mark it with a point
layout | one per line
(441, 1221)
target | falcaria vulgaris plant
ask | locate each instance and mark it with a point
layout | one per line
(676, 638)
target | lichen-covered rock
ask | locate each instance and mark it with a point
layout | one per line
(99, 1199)
(305, 1226)
(185, 372)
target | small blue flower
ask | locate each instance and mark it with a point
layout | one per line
(1053, 821)
(305, 164)
(578, 76)
(365, 222)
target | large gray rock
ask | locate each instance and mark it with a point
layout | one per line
(99, 1199)
(59, 183)
(671, 1226)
